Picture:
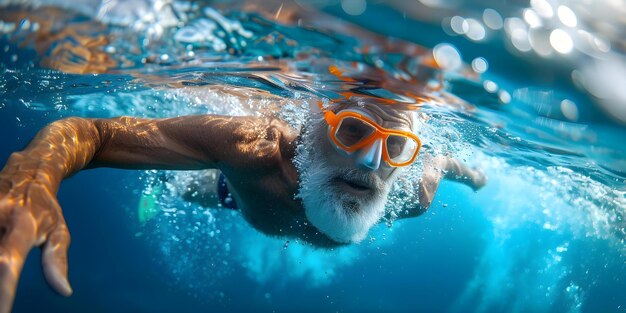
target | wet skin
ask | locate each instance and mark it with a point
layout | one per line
(255, 154)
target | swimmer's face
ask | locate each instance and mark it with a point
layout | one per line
(345, 194)
(369, 158)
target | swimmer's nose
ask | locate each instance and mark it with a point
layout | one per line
(369, 157)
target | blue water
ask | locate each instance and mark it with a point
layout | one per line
(546, 234)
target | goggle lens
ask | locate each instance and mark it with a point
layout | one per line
(401, 149)
(351, 131)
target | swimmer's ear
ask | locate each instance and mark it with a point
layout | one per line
(54, 260)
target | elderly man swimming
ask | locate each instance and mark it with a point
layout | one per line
(336, 174)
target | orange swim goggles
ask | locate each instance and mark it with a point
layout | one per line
(351, 131)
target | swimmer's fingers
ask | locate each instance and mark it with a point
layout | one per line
(16, 240)
(54, 259)
(479, 179)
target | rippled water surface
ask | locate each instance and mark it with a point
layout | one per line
(531, 93)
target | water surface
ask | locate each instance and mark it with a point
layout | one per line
(545, 235)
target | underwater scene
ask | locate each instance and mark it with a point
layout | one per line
(530, 93)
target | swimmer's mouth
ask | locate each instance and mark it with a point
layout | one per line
(352, 185)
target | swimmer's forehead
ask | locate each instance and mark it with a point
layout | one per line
(386, 115)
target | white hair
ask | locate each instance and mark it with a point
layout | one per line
(342, 217)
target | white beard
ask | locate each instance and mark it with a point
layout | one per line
(343, 217)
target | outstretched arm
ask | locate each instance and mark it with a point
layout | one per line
(437, 168)
(451, 169)
(30, 214)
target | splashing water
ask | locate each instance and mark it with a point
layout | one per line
(557, 175)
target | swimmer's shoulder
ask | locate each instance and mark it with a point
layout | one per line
(260, 141)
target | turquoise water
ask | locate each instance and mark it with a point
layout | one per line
(545, 235)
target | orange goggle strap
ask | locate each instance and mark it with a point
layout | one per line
(333, 120)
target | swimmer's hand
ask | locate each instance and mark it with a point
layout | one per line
(30, 216)
(478, 179)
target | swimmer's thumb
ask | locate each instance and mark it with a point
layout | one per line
(54, 262)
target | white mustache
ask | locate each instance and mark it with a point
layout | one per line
(361, 177)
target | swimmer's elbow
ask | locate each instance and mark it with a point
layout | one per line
(74, 131)
(425, 201)
(65, 145)
(426, 194)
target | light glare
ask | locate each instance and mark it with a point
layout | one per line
(504, 96)
(354, 7)
(459, 25)
(479, 65)
(569, 110)
(490, 86)
(519, 38)
(492, 19)
(567, 16)
(532, 18)
(601, 44)
(540, 41)
(447, 57)
(542, 7)
(561, 41)
(476, 30)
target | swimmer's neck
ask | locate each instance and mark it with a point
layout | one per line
(286, 221)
